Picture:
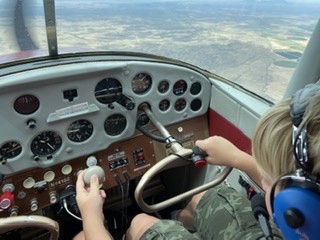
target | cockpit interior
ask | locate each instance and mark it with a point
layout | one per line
(94, 111)
(131, 117)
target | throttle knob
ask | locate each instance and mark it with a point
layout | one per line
(94, 170)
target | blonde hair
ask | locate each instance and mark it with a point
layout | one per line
(272, 140)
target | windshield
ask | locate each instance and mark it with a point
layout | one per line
(256, 44)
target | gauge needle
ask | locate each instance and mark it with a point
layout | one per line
(74, 130)
(50, 146)
(12, 149)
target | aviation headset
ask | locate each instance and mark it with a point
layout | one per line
(296, 208)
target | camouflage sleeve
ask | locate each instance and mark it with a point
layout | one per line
(224, 213)
(168, 230)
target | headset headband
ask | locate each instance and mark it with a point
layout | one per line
(299, 103)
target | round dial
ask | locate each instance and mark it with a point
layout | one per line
(115, 124)
(143, 119)
(164, 105)
(108, 90)
(141, 83)
(195, 88)
(46, 143)
(26, 104)
(180, 87)
(80, 130)
(180, 104)
(195, 104)
(10, 149)
(163, 86)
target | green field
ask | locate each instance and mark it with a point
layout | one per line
(285, 64)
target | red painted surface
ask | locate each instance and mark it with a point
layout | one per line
(23, 55)
(222, 127)
(38, 53)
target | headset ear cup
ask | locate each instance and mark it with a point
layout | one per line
(296, 213)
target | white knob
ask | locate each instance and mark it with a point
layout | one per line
(94, 170)
(5, 203)
(29, 183)
(91, 161)
(66, 169)
(49, 176)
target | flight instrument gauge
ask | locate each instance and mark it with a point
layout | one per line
(141, 83)
(164, 105)
(163, 86)
(115, 124)
(46, 143)
(80, 130)
(143, 119)
(26, 104)
(179, 87)
(180, 104)
(108, 90)
(10, 149)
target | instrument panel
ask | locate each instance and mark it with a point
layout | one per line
(54, 114)
(58, 120)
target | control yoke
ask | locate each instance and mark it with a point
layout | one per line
(14, 222)
(177, 158)
(197, 156)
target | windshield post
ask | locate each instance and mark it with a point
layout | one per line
(308, 67)
(50, 19)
